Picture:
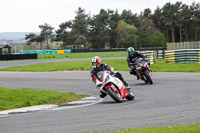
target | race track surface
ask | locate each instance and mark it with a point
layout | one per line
(5, 64)
(173, 99)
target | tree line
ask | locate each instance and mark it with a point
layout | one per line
(176, 22)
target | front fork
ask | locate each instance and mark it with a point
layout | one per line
(143, 76)
(121, 91)
(139, 75)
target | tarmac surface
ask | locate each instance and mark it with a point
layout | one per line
(173, 99)
(5, 64)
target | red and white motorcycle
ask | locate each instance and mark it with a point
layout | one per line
(113, 86)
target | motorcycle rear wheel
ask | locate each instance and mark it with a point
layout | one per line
(148, 77)
(115, 95)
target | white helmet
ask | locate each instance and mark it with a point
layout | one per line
(96, 61)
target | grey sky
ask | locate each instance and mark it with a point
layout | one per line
(27, 15)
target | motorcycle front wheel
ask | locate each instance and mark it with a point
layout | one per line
(148, 77)
(115, 95)
(131, 95)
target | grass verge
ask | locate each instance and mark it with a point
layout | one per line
(118, 64)
(17, 98)
(194, 128)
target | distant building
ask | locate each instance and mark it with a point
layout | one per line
(75, 47)
(6, 49)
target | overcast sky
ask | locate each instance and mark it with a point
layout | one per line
(27, 15)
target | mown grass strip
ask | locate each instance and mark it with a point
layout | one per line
(194, 128)
(162, 66)
(118, 64)
(48, 67)
(82, 55)
(17, 98)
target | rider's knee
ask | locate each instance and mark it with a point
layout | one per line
(132, 71)
(117, 74)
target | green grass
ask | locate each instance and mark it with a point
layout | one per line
(16, 98)
(118, 64)
(48, 67)
(194, 128)
(77, 55)
(82, 55)
(162, 66)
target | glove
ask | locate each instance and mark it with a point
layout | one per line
(112, 73)
(132, 67)
(146, 59)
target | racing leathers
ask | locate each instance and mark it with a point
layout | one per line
(105, 67)
(135, 59)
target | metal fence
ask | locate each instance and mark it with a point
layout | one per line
(183, 45)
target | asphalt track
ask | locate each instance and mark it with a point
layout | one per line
(173, 99)
(4, 64)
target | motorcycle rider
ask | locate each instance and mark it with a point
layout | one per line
(133, 58)
(98, 66)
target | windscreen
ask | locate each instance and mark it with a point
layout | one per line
(100, 75)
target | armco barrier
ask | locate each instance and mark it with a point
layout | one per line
(170, 56)
(150, 56)
(18, 56)
(183, 56)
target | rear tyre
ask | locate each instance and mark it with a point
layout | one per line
(115, 95)
(131, 95)
(148, 77)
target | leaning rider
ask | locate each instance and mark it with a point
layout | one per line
(133, 58)
(98, 66)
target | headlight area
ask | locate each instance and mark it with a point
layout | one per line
(107, 78)
(99, 85)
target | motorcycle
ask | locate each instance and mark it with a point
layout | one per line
(143, 71)
(112, 86)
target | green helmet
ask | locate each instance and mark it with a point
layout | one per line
(131, 51)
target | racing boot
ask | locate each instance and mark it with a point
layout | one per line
(102, 94)
(126, 85)
(138, 77)
(118, 75)
(127, 88)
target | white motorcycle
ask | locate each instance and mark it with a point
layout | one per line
(113, 86)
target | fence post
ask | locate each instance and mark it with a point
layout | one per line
(199, 44)
(155, 58)
(168, 46)
(171, 46)
(156, 54)
(163, 54)
(178, 45)
(191, 45)
(188, 45)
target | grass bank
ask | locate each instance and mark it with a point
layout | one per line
(118, 64)
(17, 98)
(194, 128)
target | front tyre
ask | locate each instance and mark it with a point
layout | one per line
(148, 77)
(131, 95)
(115, 95)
